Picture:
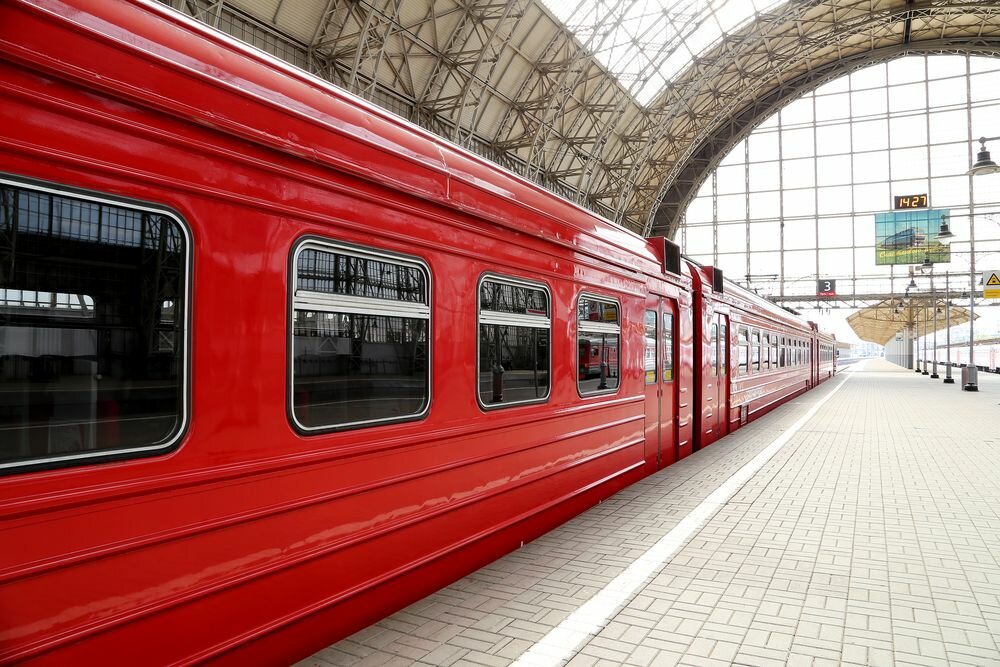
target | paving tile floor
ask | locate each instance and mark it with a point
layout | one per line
(871, 538)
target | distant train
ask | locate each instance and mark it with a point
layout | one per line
(275, 363)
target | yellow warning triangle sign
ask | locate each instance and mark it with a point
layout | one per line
(993, 281)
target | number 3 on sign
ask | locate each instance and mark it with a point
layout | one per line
(826, 288)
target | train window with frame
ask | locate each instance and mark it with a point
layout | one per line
(765, 352)
(359, 352)
(723, 351)
(774, 351)
(515, 326)
(713, 349)
(649, 356)
(743, 345)
(668, 347)
(598, 323)
(94, 327)
(755, 350)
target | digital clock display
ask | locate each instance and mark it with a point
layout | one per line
(910, 201)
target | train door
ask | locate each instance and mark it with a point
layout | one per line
(715, 384)
(814, 361)
(660, 383)
(722, 375)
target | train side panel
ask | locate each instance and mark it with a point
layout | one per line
(248, 522)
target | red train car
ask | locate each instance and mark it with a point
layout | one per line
(274, 363)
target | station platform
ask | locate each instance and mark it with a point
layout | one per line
(857, 525)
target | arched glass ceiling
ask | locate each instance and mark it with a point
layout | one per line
(644, 43)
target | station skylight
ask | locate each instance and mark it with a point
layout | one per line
(645, 43)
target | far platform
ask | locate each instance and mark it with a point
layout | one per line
(872, 537)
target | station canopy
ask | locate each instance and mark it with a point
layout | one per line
(622, 107)
(880, 323)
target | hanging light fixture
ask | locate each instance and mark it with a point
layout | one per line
(944, 233)
(913, 284)
(983, 165)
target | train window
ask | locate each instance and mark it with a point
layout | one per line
(668, 347)
(93, 327)
(765, 352)
(649, 358)
(774, 351)
(743, 342)
(723, 351)
(514, 330)
(598, 335)
(713, 349)
(361, 324)
(755, 350)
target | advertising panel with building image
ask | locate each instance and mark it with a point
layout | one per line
(910, 237)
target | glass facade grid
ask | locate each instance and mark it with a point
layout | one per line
(798, 196)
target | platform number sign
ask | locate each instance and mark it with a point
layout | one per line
(826, 288)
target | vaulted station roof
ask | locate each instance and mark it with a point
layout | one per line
(623, 107)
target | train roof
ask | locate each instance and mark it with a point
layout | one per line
(319, 122)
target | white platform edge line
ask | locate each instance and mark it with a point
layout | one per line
(561, 643)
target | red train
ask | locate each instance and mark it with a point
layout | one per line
(274, 363)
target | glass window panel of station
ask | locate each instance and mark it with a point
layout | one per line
(732, 207)
(801, 264)
(763, 146)
(832, 107)
(514, 342)
(977, 65)
(800, 234)
(764, 176)
(360, 353)
(871, 167)
(93, 321)
(833, 139)
(732, 237)
(869, 77)
(798, 203)
(949, 127)
(733, 265)
(868, 103)
(984, 87)
(908, 163)
(799, 112)
(946, 66)
(872, 197)
(909, 187)
(985, 116)
(839, 85)
(797, 143)
(699, 237)
(764, 263)
(870, 135)
(837, 199)
(837, 262)
(598, 323)
(765, 235)
(906, 70)
(731, 180)
(765, 205)
(910, 97)
(864, 230)
(908, 130)
(735, 156)
(947, 93)
(798, 173)
(833, 170)
(951, 191)
(700, 209)
(835, 232)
